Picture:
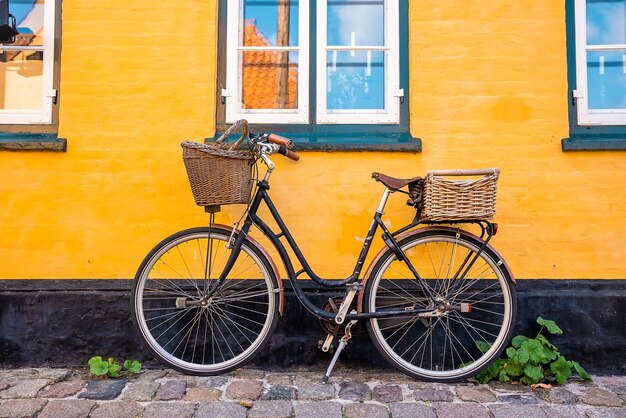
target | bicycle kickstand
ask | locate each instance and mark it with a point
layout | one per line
(342, 343)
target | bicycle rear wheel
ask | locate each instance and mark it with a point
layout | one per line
(189, 330)
(454, 345)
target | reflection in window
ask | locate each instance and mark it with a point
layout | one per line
(24, 76)
(356, 80)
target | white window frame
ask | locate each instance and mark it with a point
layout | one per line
(393, 93)
(233, 91)
(585, 115)
(44, 114)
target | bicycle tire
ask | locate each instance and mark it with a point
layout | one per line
(230, 328)
(455, 345)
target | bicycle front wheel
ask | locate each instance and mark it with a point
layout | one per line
(454, 344)
(187, 323)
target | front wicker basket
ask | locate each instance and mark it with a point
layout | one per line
(463, 199)
(219, 174)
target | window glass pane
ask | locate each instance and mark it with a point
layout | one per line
(269, 80)
(355, 80)
(29, 18)
(270, 22)
(356, 22)
(606, 22)
(21, 80)
(606, 77)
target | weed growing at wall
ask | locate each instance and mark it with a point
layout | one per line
(532, 360)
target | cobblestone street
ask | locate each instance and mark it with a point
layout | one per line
(372, 393)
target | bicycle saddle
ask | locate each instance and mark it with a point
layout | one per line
(393, 183)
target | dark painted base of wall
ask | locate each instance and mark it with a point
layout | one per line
(65, 322)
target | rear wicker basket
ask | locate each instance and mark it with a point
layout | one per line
(219, 174)
(447, 200)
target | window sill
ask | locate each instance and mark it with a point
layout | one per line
(397, 142)
(594, 143)
(32, 142)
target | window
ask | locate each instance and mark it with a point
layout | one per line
(27, 65)
(600, 91)
(324, 62)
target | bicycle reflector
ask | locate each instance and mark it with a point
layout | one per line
(466, 307)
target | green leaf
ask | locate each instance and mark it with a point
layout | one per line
(114, 369)
(522, 355)
(543, 340)
(490, 372)
(581, 372)
(98, 367)
(533, 374)
(94, 359)
(514, 369)
(562, 370)
(517, 341)
(550, 326)
(503, 377)
(511, 352)
(133, 367)
(483, 346)
(535, 350)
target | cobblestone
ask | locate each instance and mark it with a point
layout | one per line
(387, 393)
(103, 389)
(557, 395)
(66, 393)
(480, 394)
(63, 389)
(244, 389)
(562, 411)
(117, 409)
(202, 394)
(67, 408)
(279, 392)
(221, 410)
(466, 410)
(433, 395)
(411, 410)
(318, 410)
(25, 389)
(316, 391)
(172, 390)
(271, 409)
(21, 408)
(169, 410)
(601, 397)
(141, 391)
(516, 411)
(369, 410)
(354, 391)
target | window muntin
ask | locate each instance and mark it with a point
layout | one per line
(356, 62)
(601, 62)
(26, 66)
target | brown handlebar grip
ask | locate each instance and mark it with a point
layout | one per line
(281, 140)
(292, 155)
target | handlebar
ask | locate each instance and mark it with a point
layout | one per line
(280, 140)
(288, 153)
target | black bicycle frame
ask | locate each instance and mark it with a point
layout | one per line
(262, 195)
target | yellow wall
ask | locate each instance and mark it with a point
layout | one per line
(488, 88)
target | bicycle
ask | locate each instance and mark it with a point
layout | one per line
(438, 301)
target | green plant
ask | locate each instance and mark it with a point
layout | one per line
(110, 368)
(532, 360)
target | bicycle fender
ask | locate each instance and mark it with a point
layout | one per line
(406, 234)
(255, 243)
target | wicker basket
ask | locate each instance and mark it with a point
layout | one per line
(462, 199)
(219, 174)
